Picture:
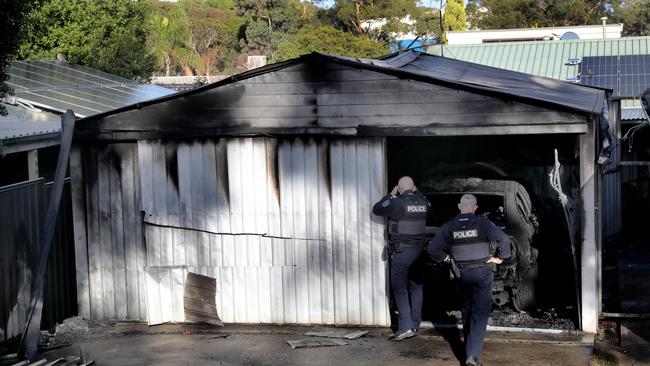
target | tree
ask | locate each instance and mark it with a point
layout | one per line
(169, 36)
(505, 14)
(454, 18)
(109, 35)
(377, 19)
(13, 14)
(326, 39)
(213, 37)
(267, 22)
(635, 15)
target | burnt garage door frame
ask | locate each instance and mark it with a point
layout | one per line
(315, 121)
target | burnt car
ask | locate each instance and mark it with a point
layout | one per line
(508, 205)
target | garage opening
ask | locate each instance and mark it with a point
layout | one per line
(510, 177)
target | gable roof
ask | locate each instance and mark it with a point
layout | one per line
(492, 80)
(424, 68)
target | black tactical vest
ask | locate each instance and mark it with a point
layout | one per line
(413, 218)
(468, 243)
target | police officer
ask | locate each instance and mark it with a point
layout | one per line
(407, 210)
(466, 241)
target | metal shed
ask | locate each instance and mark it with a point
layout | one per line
(265, 180)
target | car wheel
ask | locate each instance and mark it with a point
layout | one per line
(524, 295)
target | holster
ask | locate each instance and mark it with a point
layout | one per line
(396, 247)
(454, 272)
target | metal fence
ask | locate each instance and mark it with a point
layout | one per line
(22, 214)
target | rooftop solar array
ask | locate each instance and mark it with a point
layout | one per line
(627, 76)
(58, 86)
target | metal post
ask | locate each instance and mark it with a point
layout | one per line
(31, 334)
(32, 164)
(589, 254)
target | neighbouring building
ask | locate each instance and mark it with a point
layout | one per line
(534, 34)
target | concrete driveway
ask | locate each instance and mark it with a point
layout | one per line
(135, 344)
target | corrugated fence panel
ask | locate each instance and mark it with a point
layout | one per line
(22, 216)
(284, 225)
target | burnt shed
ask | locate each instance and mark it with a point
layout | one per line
(266, 181)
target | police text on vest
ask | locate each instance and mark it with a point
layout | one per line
(420, 208)
(465, 234)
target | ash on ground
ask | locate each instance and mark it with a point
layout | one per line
(544, 319)
(541, 319)
(69, 330)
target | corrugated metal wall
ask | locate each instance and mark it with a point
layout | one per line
(285, 226)
(22, 213)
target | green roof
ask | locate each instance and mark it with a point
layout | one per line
(544, 58)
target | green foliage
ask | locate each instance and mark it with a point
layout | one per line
(635, 15)
(213, 37)
(427, 23)
(13, 14)
(505, 14)
(109, 35)
(220, 4)
(377, 19)
(268, 21)
(326, 39)
(454, 18)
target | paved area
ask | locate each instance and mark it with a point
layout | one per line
(131, 344)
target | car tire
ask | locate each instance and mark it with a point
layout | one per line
(524, 298)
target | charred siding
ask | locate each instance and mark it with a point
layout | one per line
(283, 225)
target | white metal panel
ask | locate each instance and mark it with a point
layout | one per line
(285, 226)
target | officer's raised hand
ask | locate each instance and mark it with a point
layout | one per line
(394, 191)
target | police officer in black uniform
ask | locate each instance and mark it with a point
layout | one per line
(407, 210)
(466, 240)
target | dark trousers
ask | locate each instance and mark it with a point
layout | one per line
(475, 305)
(406, 291)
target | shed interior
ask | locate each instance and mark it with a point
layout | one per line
(526, 159)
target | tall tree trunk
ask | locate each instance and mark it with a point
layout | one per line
(168, 62)
(357, 20)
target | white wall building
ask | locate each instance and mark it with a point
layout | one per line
(535, 34)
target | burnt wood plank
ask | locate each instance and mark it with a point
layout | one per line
(117, 230)
(195, 316)
(91, 171)
(131, 215)
(199, 301)
(200, 281)
(105, 233)
(199, 306)
(198, 293)
(79, 224)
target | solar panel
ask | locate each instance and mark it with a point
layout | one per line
(60, 86)
(627, 76)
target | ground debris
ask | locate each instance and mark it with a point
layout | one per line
(70, 330)
(316, 342)
(335, 333)
(545, 319)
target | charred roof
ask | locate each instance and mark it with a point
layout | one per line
(404, 93)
